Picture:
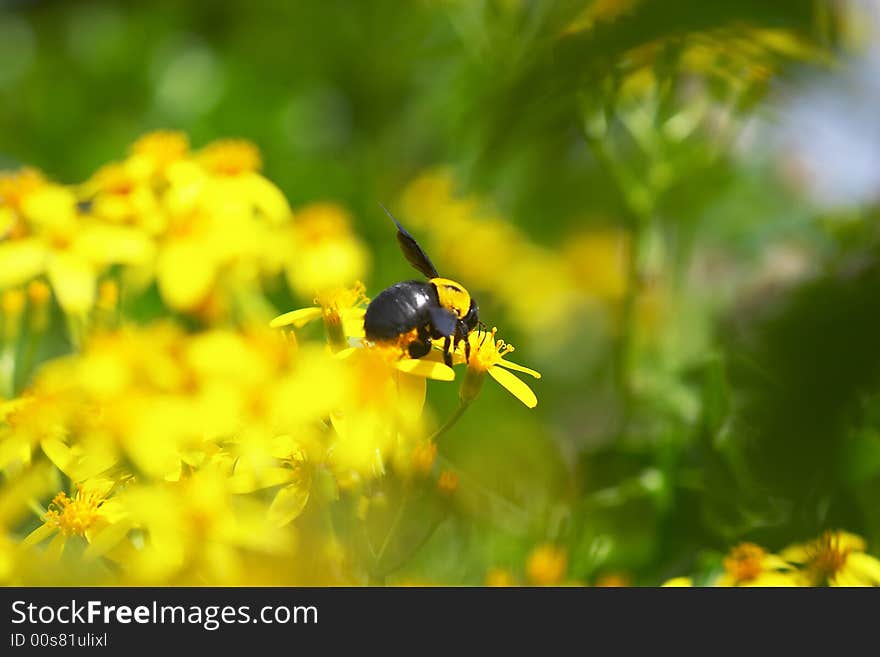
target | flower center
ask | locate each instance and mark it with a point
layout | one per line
(744, 563)
(486, 351)
(828, 555)
(15, 187)
(230, 157)
(114, 179)
(162, 146)
(342, 298)
(74, 516)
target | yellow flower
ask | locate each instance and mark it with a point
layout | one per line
(679, 582)
(342, 310)
(500, 577)
(447, 483)
(547, 565)
(422, 458)
(598, 259)
(199, 531)
(89, 513)
(383, 405)
(836, 558)
(323, 254)
(225, 178)
(52, 238)
(230, 157)
(487, 355)
(750, 565)
(152, 153)
(614, 579)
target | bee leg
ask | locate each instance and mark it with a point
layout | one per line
(467, 350)
(447, 353)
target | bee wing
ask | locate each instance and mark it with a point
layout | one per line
(443, 320)
(411, 249)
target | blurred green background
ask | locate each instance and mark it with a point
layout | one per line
(700, 172)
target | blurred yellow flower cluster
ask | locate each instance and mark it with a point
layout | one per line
(836, 558)
(211, 446)
(205, 226)
(540, 288)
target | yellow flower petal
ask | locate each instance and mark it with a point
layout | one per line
(78, 464)
(865, 567)
(353, 322)
(56, 547)
(799, 553)
(288, 504)
(846, 541)
(103, 244)
(268, 199)
(514, 386)
(21, 260)
(241, 482)
(186, 274)
(73, 279)
(425, 368)
(679, 581)
(519, 368)
(772, 579)
(410, 395)
(297, 318)
(106, 539)
(39, 535)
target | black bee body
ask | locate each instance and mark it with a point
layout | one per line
(413, 313)
(399, 309)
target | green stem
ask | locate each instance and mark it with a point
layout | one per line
(392, 530)
(623, 348)
(462, 407)
(7, 371)
(638, 200)
(26, 365)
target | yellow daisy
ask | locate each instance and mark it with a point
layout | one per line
(836, 558)
(748, 564)
(487, 355)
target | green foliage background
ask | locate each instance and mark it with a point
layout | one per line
(759, 418)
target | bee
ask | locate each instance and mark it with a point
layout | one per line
(414, 313)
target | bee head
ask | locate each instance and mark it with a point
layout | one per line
(472, 318)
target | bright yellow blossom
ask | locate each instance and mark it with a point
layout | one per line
(547, 565)
(499, 577)
(487, 355)
(90, 513)
(342, 310)
(836, 558)
(53, 238)
(750, 565)
(324, 253)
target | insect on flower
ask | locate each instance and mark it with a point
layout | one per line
(413, 313)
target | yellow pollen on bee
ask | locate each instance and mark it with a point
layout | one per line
(452, 296)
